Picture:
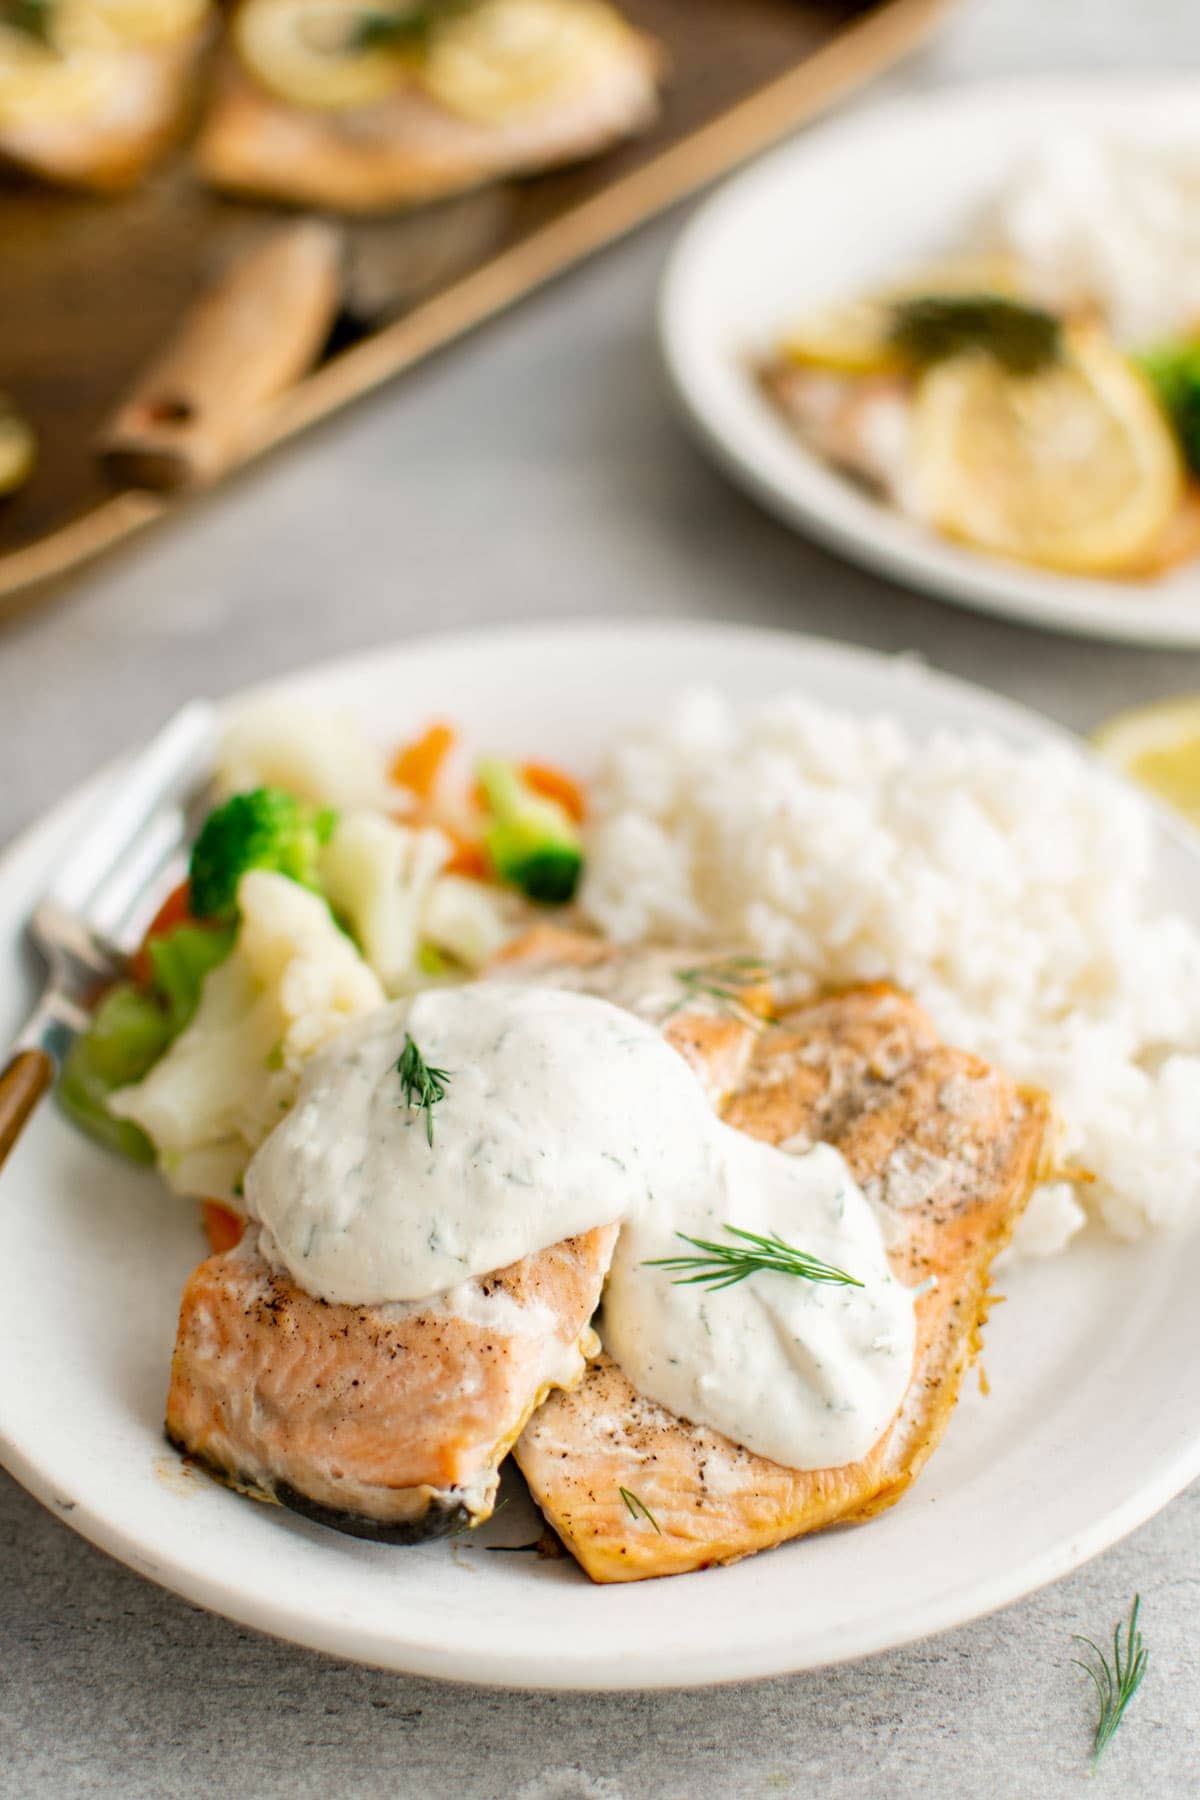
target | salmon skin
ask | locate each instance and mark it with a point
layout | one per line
(386, 1422)
(950, 1150)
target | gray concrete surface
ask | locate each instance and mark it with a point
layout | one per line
(538, 471)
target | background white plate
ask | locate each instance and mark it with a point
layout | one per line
(1093, 1422)
(846, 207)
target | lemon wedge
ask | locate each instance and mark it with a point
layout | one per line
(1160, 747)
(854, 337)
(505, 59)
(321, 53)
(1072, 468)
(18, 449)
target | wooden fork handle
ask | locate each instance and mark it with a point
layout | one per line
(22, 1084)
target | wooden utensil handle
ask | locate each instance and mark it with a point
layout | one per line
(22, 1084)
(250, 337)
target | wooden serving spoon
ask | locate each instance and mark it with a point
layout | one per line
(247, 340)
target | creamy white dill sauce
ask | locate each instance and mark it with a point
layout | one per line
(561, 1113)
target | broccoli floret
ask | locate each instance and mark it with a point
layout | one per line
(130, 1030)
(531, 840)
(1174, 372)
(128, 1033)
(180, 960)
(264, 829)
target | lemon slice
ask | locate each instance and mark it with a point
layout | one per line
(1160, 747)
(313, 53)
(505, 59)
(124, 24)
(1073, 468)
(39, 82)
(18, 449)
(853, 337)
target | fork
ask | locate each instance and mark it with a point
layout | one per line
(83, 924)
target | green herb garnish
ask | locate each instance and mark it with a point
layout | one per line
(33, 17)
(931, 327)
(400, 27)
(637, 1508)
(723, 982)
(724, 1265)
(1117, 1682)
(423, 1086)
(379, 28)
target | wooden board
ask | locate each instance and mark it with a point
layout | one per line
(92, 287)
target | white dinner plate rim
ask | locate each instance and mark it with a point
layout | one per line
(823, 504)
(643, 1669)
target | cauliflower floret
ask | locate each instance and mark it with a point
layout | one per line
(290, 984)
(321, 757)
(378, 876)
(468, 921)
(385, 881)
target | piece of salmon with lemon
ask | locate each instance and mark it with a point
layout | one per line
(1002, 426)
(93, 92)
(365, 108)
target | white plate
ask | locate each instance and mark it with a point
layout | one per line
(844, 208)
(1093, 1422)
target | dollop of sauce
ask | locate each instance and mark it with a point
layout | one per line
(562, 1112)
(804, 1372)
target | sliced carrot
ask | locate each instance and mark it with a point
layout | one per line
(556, 784)
(468, 856)
(417, 765)
(222, 1228)
(175, 910)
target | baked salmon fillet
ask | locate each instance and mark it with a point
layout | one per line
(408, 149)
(950, 1149)
(386, 1422)
(392, 1421)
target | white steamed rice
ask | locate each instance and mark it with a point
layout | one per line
(1009, 890)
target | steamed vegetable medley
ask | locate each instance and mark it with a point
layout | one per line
(323, 882)
(1037, 398)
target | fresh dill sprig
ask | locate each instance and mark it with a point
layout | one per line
(724, 1265)
(637, 1508)
(1117, 1682)
(723, 982)
(423, 1086)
